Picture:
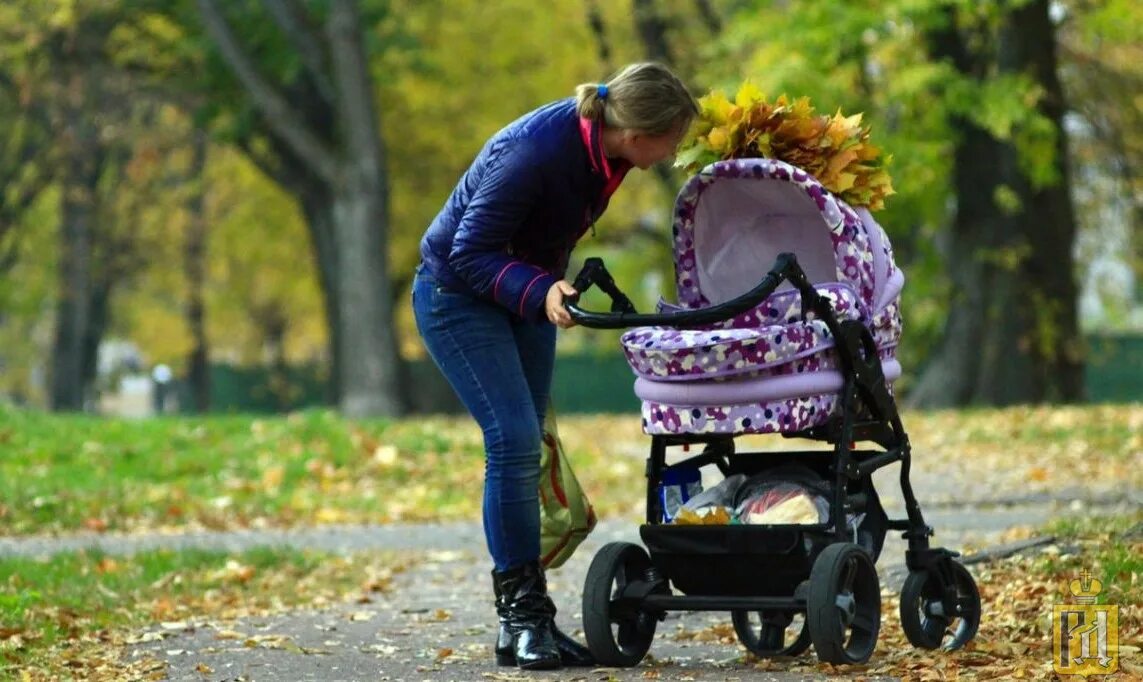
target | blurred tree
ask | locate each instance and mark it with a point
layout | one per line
(298, 101)
(436, 119)
(69, 83)
(343, 160)
(84, 101)
(24, 173)
(81, 166)
(1012, 334)
(28, 157)
(599, 32)
(1101, 50)
(263, 306)
(194, 268)
(239, 232)
(651, 26)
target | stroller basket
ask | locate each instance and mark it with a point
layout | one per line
(740, 560)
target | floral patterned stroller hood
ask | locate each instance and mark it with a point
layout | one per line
(767, 369)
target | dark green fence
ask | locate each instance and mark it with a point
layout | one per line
(260, 390)
(581, 383)
(589, 383)
(593, 382)
(1114, 369)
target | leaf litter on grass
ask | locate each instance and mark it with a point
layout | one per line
(316, 468)
(61, 632)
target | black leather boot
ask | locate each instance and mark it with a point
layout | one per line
(526, 615)
(572, 653)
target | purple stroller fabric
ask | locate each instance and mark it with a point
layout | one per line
(768, 369)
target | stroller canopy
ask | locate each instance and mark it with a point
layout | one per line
(772, 367)
(734, 217)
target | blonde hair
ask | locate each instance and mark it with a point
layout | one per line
(643, 96)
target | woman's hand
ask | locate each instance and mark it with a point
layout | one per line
(554, 304)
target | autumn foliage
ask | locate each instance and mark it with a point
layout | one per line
(834, 149)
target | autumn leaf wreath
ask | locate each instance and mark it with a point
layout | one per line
(834, 149)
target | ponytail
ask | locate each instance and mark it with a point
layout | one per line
(591, 100)
(644, 96)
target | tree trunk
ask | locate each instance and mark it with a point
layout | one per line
(367, 346)
(652, 30)
(67, 383)
(1049, 219)
(99, 318)
(710, 17)
(371, 364)
(317, 206)
(194, 266)
(273, 323)
(599, 31)
(77, 218)
(1011, 335)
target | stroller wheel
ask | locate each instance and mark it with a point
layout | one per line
(617, 629)
(771, 633)
(843, 605)
(932, 618)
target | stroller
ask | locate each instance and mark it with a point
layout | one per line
(809, 352)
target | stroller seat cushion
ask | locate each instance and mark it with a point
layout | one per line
(777, 416)
(744, 390)
(670, 354)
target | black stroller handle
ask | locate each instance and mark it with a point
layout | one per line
(623, 313)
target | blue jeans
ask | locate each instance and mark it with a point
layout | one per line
(501, 368)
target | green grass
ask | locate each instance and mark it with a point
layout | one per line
(66, 473)
(99, 585)
(1109, 430)
(1112, 550)
(72, 606)
(1114, 525)
(75, 472)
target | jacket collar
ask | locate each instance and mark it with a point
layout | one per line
(612, 171)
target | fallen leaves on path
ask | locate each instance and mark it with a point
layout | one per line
(1014, 641)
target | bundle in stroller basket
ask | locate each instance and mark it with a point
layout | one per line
(807, 352)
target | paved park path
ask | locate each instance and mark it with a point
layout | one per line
(444, 603)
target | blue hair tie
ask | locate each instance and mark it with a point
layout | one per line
(601, 90)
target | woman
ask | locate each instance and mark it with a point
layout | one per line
(488, 296)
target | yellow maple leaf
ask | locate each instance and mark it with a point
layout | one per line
(715, 107)
(801, 108)
(840, 161)
(748, 95)
(718, 139)
(844, 181)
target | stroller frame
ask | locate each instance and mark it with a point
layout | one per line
(624, 587)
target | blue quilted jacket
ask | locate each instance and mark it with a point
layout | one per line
(507, 229)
